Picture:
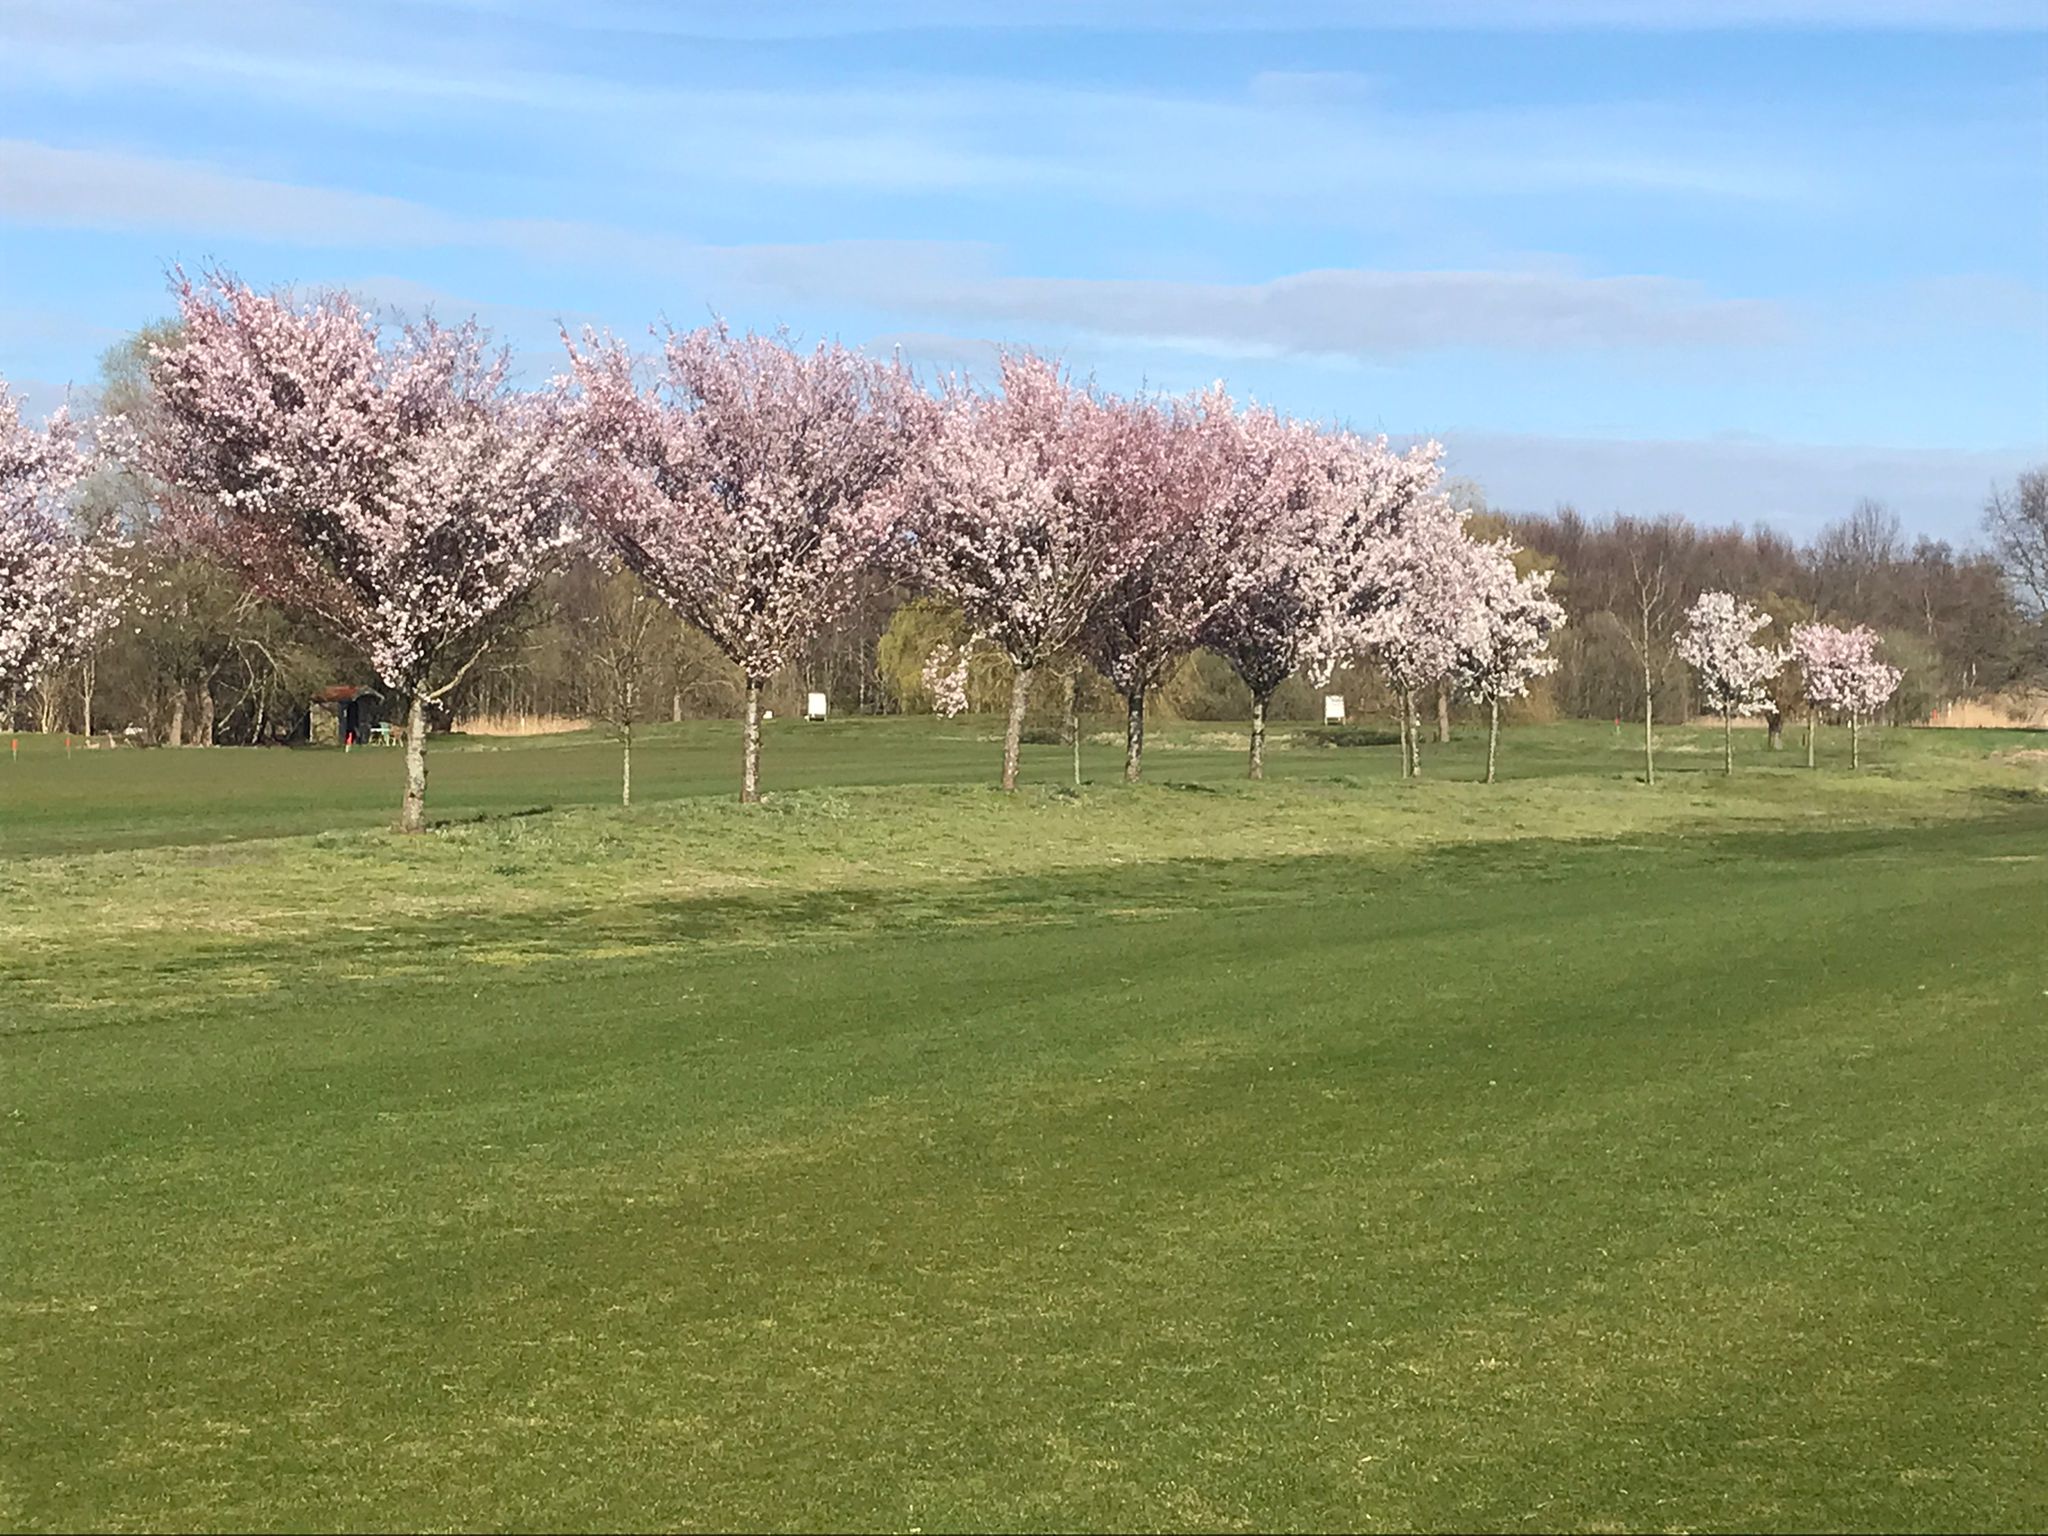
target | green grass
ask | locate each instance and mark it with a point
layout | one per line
(58, 801)
(1333, 1152)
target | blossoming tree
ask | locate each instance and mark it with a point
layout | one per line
(1840, 673)
(748, 485)
(945, 679)
(1012, 512)
(1423, 612)
(1509, 648)
(393, 487)
(46, 601)
(1719, 642)
(1191, 492)
(1333, 501)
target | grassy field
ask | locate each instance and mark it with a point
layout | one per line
(1328, 1153)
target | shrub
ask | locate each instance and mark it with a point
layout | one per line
(1348, 736)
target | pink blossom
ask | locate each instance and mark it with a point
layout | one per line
(1427, 612)
(945, 679)
(1719, 643)
(51, 608)
(1007, 512)
(749, 486)
(1509, 648)
(1510, 645)
(397, 489)
(1190, 488)
(1840, 671)
(1012, 512)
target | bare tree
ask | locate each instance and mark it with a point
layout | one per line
(620, 650)
(2018, 524)
(1650, 600)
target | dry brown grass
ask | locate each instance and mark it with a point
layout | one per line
(520, 725)
(1999, 711)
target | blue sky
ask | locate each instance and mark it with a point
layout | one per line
(1742, 260)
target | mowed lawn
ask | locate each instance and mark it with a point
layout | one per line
(1328, 1153)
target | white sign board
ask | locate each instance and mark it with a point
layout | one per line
(815, 709)
(1333, 709)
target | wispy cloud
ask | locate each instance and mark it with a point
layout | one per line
(800, 18)
(1320, 142)
(1344, 313)
(486, 22)
(99, 189)
(1358, 314)
(52, 186)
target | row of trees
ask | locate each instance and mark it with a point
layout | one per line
(1835, 671)
(1960, 622)
(398, 491)
(282, 487)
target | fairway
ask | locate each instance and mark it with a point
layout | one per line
(1335, 1152)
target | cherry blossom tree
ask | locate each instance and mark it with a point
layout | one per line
(1423, 610)
(395, 488)
(945, 679)
(748, 486)
(1510, 647)
(1014, 512)
(1867, 689)
(1190, 490)
(1719, 642)
(1839, 672)
(1333, 501)
(48, 603)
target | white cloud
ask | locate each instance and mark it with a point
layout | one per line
(1363, 314)
(811, 18)
(1321, 143)
(323, 24)
(99, 189)
(1343, 313)
(48, 186)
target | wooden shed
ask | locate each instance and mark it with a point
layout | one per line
(345, 712)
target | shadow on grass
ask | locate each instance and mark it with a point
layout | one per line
(1395, 894)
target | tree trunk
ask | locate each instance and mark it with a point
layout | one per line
(1443, 712)
(750, 756)
(1013, 732)
(1258, 767)
(1414, 738)
(1776, 721)
(86, 679)
(1074, 719)
(202, 733)
(675, 707)
(1401, 704)
(412, 816)
(1134, 734)
(175, 735)
(1812, 730)
(1855, 743)
(1492, 736)
(1728, 743)
(626, 765)
(1649, 731)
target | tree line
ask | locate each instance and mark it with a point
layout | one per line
(274, 491)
